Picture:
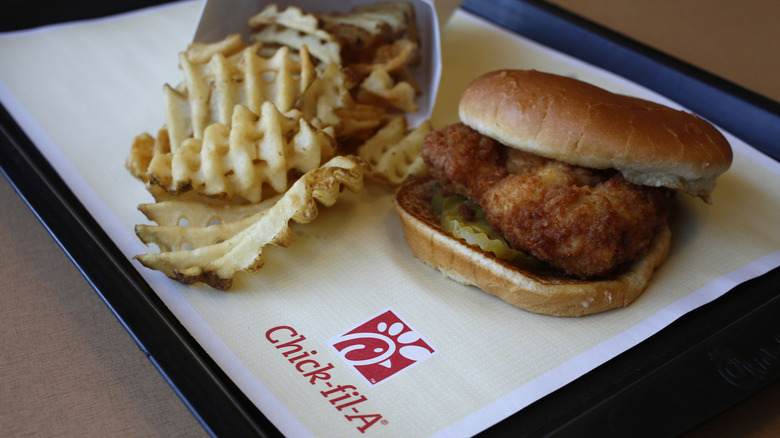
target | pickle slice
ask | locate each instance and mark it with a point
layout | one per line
(476, 230)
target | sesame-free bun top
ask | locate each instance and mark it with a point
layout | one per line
(575, 122)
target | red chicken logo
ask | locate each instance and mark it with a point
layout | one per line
(382, 347)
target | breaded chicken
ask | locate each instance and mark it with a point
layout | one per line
(588, 223)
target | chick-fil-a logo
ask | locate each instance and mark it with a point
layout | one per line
(381, 347)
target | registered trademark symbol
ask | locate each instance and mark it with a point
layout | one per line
(384, 422)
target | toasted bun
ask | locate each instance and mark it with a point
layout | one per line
(539, 293)
(581, 124)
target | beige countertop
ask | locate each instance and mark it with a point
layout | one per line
(68, 368)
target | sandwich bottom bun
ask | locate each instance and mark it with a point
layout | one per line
(536, 292)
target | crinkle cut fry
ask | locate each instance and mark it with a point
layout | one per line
(216, 264)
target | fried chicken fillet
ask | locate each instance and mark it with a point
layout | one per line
(588, 223)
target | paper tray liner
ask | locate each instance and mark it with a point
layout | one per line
(351, 264)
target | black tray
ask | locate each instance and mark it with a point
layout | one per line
(707, 361)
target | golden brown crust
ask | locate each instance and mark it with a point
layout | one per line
(578, 123)
(587, 222)
(549, 294)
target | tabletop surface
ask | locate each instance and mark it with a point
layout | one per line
(68, 368)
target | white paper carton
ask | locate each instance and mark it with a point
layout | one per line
(220, 18)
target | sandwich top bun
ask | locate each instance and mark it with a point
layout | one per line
(568, 120)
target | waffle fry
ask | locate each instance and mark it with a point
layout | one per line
(141, 154)
(219, 253)
(293, 28)
(336, 38)
(393, 58)
(212, 87)
(329, 103)
(200, 213)
(398, 15)
(202, 53)
(380, 89)
(240, 161)
(177, 237)
(394, 153)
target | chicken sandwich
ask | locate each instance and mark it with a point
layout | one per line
(554, 194)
